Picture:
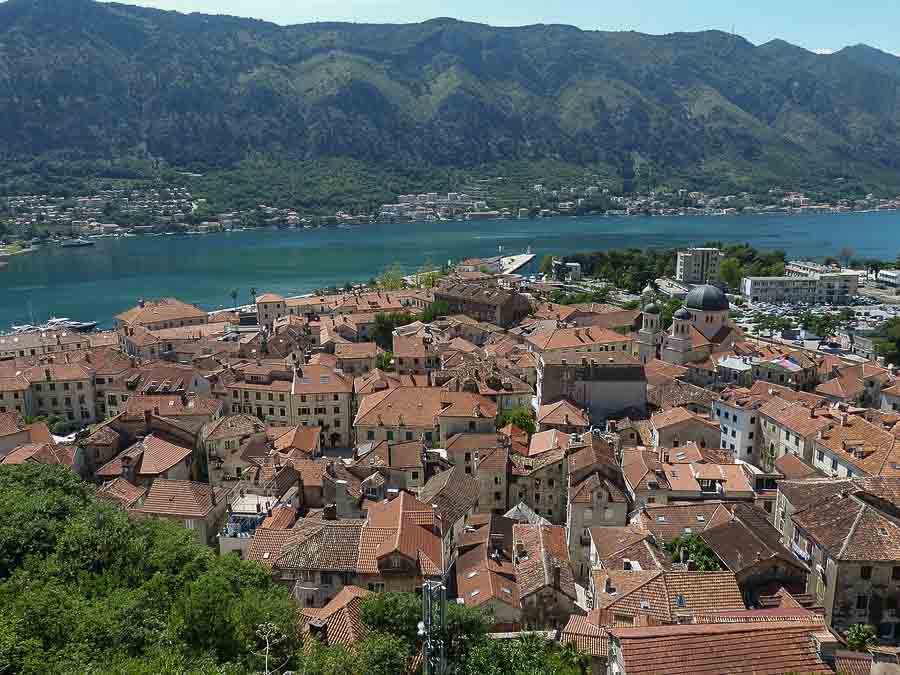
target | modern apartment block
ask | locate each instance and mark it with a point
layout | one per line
(836, 288)
(698, 265)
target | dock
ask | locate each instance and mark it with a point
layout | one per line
(511, 263)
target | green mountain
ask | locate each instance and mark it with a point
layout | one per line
(85, 80)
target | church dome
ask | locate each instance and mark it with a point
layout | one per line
(652, 308)
(707, 299)
(682, 314)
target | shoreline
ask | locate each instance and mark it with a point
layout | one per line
(95, 282)
(126, 233)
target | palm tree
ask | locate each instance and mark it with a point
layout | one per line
(252, 295)
(573, 658)
(234, 297)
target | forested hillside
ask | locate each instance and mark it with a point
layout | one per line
(84, 80)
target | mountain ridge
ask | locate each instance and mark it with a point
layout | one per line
(87, 80)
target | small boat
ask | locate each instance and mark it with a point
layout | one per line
(76, 243)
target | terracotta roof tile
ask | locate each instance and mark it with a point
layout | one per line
(665, 595)
(121, 492)
(453, 494)
(545, 551)
(747, 648)
(11, 423)
(563, 413)
(160, 455)
(181, 498)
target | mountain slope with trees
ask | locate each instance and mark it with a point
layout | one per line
(84, 80)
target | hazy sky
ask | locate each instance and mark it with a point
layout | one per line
(814, 24)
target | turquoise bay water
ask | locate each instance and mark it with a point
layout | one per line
(97, 282)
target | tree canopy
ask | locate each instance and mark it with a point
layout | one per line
(521, 417)
(84, 588)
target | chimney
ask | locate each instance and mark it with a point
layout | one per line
(843, 419)
(330, 512)
(129, 469)
(148, 415)
(156, 410)
(213, 497)
(520, 550)
(826, 645)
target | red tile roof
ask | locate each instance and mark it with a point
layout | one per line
(341, 618)
(545, 551)
(563, 413)
(710, 649)
(665, 594)
(181, 498)
(160, 455)
(121, 492)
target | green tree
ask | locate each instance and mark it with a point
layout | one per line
(398, 615)
(434, 310)
(860, 637)
(385, 323)
(887, 342)
(667, 310)
(691, 549)
(731, 272)
(84, 588)
(383, 654)
(391, 279)
(546, 266)
(845, 255)
(521, 417)
(393, 613)
(234, 296)
(530, 654)
(384, 360)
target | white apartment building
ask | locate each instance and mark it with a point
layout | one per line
(739, 427)
(836, 288)
(698, 265)
(889, 277)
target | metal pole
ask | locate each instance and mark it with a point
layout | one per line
(431, 628)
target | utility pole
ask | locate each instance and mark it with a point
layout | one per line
(432, 627)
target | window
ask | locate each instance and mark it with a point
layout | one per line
(370, 436)
(834, 465)
(820, 456)
(390, 435)
(895, 573)
(865, 572)
(862, 602)
(415, 475)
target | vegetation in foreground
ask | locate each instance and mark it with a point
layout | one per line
(86, 589)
